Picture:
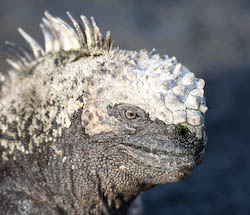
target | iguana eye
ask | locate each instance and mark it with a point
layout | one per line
(130, 114)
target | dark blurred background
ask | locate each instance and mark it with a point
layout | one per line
(212, 38)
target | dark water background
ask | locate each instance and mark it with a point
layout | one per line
(212, 38)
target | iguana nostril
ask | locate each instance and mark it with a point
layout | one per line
(183, 132)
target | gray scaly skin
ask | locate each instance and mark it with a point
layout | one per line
(86, 127)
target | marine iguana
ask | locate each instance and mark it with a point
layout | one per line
(85, 127)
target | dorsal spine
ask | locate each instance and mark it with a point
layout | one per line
(58, 36)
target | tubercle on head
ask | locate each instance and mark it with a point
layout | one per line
(58, 37)
(176, 94)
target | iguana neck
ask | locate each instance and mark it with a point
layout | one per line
(83, 178)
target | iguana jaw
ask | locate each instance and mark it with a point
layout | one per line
(163, 159)
(160, 154)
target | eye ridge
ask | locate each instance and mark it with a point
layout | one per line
(131, 114)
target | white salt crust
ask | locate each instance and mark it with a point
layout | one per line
(160, 85)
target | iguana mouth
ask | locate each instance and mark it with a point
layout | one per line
(165, 155)
(159, 151)
(161, 145)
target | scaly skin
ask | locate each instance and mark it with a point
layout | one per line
(86, 131)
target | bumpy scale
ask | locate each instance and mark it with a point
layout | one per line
(85, 127)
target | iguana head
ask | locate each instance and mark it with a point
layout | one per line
(148, 110)
(154, 108)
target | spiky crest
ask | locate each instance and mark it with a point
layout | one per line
(58, 36)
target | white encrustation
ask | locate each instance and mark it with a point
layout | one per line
(163, 87)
